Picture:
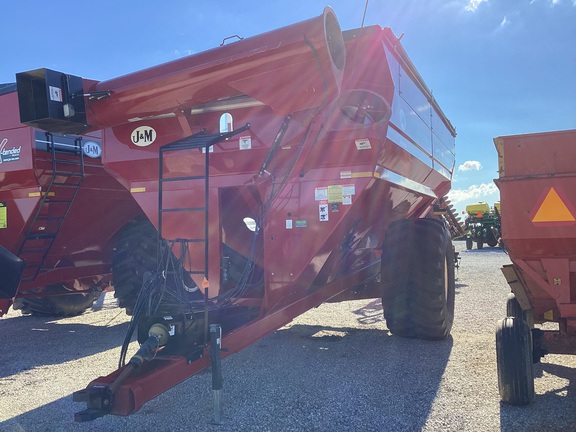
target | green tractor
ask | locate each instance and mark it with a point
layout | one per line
(482, 225)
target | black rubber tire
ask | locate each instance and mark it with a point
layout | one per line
(513, 308)
(57, 305)
(491, 240)
(135, 253)
(479, 244)
(514, 361)
(469, 243)
(418, 279)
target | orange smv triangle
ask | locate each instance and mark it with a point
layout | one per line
(553, 209)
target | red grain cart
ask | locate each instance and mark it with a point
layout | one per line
(537, 181)
(278, 172)
(59, 211)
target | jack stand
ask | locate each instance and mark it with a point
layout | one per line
(216, 363)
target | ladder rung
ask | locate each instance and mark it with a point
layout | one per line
(67, 161)
(50, 217)
(196, 240)
(69, 173)
(33, 251)
(57, 201)
(188, 209)
(40, 236)
(66, 184)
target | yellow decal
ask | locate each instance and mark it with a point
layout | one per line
(553, 209)
(3, 215)
(363, 174)
(335, 194)
(137, 189)
(549, 316)
(37, 194)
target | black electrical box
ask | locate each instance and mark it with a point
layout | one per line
(52, 101)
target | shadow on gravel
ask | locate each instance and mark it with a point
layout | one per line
(404, 374)
(28, 342)
(304, 377)
(44, 419)
(483, 250)
(371, 313)
(554, 410)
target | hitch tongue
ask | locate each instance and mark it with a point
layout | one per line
(100, 398)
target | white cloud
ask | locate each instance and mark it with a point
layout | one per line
(473, 5)
(505, 22)
(470, 166)
(473, 192)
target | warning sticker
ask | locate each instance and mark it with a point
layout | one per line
(55, 93)
(363, 144)
(349, 189)
(335, 194)
(245, 143)
(321, 194)
(323, 212)
(3, 215)
(553, 209)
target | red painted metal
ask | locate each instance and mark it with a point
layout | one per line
(81, 253)
(306, 260)
(537, 182)
(275, 62)
(160, 375)
(357, 155)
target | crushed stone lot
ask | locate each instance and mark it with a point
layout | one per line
(335, 368)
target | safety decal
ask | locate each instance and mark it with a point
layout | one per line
(288, 223)
(323, 211)
(349, 189)
(245, 143)
(39, 193)
(347, 192)
(335, 194)
(9, 154)
(345, 174)
(3, 215)
(55, 93)
(553, 210)
(320, 194)
(363, 144)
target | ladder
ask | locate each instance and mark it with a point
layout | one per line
(55, 203)
(200, 210)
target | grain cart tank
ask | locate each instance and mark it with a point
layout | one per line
(59, 211)
(537, 180)
(277, 172)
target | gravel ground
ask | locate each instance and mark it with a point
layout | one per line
(335, 368)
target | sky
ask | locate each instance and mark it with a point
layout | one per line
(496, 67)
